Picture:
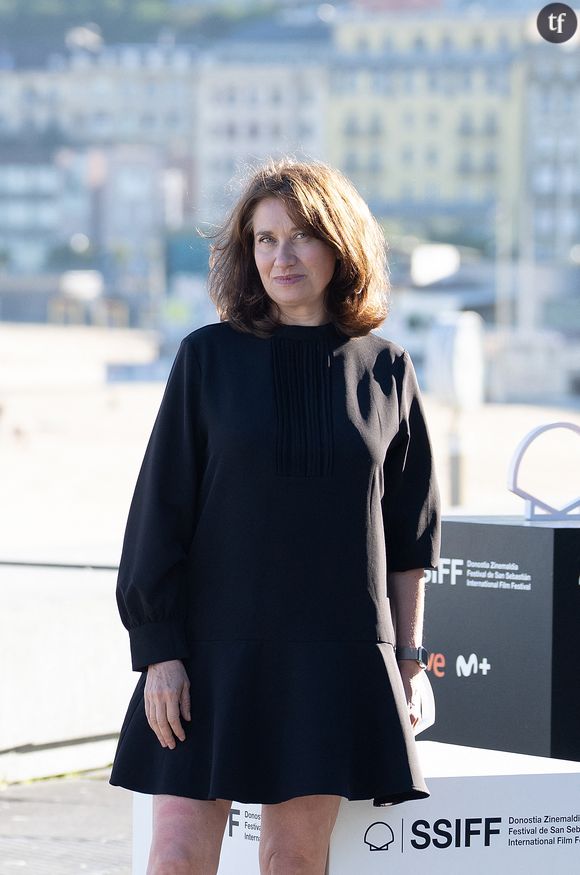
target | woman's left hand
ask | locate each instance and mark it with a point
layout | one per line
(410, 671)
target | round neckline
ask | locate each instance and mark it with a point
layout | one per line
(305, 332)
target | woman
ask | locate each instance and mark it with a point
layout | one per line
(287, 486)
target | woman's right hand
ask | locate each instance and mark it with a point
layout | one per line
(166, 695)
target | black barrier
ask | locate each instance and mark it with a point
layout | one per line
(502, 623)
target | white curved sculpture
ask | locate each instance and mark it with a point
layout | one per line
(537, 508)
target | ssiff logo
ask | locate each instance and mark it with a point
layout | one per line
(447, 570)
(441, 834)
(379, 836)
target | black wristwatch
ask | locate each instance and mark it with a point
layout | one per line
(419, 654)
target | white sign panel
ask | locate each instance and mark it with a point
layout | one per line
(518, 823)
(476, 823)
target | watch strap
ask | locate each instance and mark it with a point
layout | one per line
(419, 654)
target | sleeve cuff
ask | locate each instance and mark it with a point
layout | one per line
(425, 559)
(157, 642)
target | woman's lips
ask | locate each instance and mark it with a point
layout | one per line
(288, 280)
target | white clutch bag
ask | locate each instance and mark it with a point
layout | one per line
(427, 717)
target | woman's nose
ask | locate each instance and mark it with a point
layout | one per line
(285, 254)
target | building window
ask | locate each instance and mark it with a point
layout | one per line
(344, 82)
(155, 59)
(380, 83)
(351, 163)
(130, 58)
(504, 42)
(180, 60)
(544, 221)
(362, 45)
(407, 154)
(467, 191)
(490, 162)
(431, 155)
(376, 126)
(491, 79)
(544, 180)
(568, 146)
(305, 95)
(465, 127)
(448, 82)
(490, 126)
(351, 126)
(465, 163)
(547, 99)
(545, 144)
(376, 162)
(567, 100)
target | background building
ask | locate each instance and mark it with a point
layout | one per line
(457, 123)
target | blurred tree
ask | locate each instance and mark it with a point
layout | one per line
(37, 27)
(62, 257)
(4, 258)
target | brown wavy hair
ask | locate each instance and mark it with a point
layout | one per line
(321, 199)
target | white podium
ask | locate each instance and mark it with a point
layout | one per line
(488, 811)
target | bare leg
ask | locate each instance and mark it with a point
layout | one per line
(295, 835)
(187, 835)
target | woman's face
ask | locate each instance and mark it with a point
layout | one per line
(295, 267)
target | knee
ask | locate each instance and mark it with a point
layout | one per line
(289, 861)
(174, 861)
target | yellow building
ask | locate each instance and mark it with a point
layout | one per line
(425, 115)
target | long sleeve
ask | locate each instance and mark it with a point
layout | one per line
(411, 502)
(160, 525)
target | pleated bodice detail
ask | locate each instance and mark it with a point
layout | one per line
(302, 378)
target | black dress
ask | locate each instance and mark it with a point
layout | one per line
(282, 477)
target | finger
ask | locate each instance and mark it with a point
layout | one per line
(163, 729)
(175, 723)
(414, 712)
(153, 724)
(150, 714)
(185, 703)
